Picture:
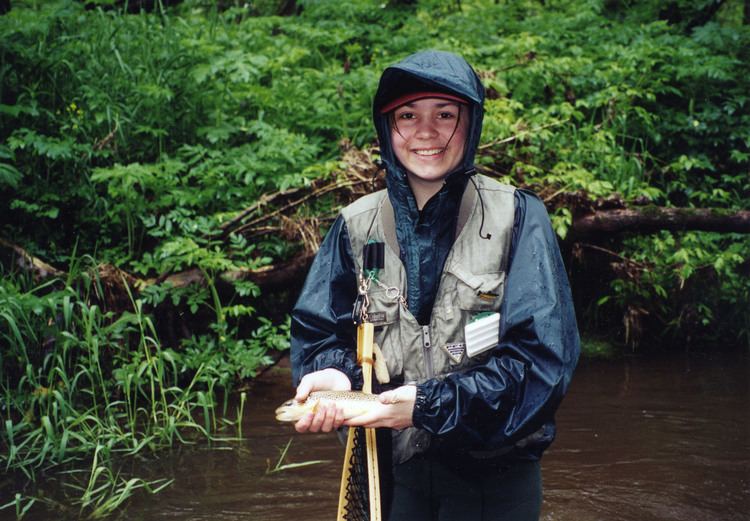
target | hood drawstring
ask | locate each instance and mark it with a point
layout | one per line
(471, 174)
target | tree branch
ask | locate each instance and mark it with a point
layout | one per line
(38, 269)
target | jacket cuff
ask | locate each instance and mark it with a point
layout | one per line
(420, 405)
(351, 370)
(354, 372)
(342, 361)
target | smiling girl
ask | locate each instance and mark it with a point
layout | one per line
(428, 139)
(471, 305)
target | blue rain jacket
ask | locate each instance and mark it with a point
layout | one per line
(514, 394)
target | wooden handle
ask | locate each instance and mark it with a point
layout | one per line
(365, 338)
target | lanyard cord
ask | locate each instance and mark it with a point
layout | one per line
(481, 205)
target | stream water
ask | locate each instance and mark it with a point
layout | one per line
(639, 440)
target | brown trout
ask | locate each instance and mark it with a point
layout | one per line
(353, 404)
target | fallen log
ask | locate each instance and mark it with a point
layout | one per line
(650, 219)
(36, 267)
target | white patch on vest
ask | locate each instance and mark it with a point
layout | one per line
(482, 334)
(455, 351)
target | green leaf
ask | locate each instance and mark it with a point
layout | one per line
(9, 175)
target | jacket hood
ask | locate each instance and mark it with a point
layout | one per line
(435, 71)
(425, 235)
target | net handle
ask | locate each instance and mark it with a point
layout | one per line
(365, 339)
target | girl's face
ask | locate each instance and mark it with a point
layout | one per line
(428, 137)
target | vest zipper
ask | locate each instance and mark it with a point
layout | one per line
(427, 351)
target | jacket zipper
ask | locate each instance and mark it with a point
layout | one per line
(427, 351)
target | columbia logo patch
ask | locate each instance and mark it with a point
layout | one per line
(456, 351)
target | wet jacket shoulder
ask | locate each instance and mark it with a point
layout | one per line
(322, 332)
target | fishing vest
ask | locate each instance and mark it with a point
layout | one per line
(471, 286)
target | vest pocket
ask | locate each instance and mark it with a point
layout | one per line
(482, 292)
(466, 295)
(384, 313)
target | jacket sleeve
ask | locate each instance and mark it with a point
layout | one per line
(322, 332)
(517, 390)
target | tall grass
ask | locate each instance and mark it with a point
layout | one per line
(84, 389)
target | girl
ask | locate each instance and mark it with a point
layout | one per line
(471, 306)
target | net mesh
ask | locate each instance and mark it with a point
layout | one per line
(356, 494)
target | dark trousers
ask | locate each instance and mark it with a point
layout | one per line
(426, 488)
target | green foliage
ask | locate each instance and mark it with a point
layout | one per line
(79, 381)
(189, 115)
(691, 284)
(598, 348)
(229, 357)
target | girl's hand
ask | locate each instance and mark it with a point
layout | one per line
(327, 417)
(394, 411)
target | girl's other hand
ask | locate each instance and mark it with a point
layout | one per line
(327, 416)
(394, 411)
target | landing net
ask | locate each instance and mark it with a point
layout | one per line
(359, 496)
